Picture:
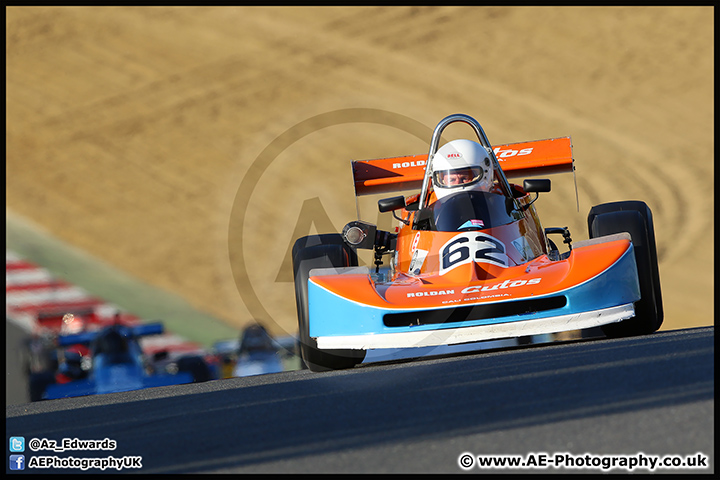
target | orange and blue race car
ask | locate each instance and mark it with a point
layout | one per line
(470, 260)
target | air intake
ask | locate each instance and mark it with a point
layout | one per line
(475, 312)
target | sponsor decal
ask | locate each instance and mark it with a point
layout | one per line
(472, 223)
(478, 289)
(472, 299)
(431, 293)
(511, 153)
(419, 163)
(417, 261)
(498, 286)
(472, 247)
(415, 242)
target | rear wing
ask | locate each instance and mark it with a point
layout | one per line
(526, 159)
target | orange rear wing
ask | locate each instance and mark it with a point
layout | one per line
(526, 159)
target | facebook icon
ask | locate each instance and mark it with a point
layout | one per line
(17, 462)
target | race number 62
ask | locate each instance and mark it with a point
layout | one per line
(472, 247)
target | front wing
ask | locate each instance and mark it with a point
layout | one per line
(337, 322)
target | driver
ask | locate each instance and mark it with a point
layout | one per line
(461, 165)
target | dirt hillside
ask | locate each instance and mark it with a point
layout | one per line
(187, 146)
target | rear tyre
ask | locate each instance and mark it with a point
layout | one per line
(635, 218)
(37, 383)
(197, 367)
(320, 251)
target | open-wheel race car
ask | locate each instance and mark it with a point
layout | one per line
(110, 360)
(470, 260)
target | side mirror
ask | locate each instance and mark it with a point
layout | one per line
(390, 204)
(360, 234)
(365, 235)
(536, 185)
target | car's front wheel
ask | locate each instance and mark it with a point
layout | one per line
(635, 218)
(320, 251)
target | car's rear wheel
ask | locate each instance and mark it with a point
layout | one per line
(37, 383)
(635, 218)
(197, 367)
(320, 251)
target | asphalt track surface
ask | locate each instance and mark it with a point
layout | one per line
(650, 395)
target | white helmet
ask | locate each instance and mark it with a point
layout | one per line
(461, 165)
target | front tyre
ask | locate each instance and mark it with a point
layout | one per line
(635, 218)
(320, 251)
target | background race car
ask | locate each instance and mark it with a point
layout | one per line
(256, 352)
(113, 361)
(54, 312)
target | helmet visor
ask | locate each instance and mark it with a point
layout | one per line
(457, 177)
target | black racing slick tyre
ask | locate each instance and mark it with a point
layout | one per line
(197, 367)
(320, 251)
(38, 383)
(635, 218)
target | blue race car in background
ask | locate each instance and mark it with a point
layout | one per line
(256, 352)
(114, 362)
